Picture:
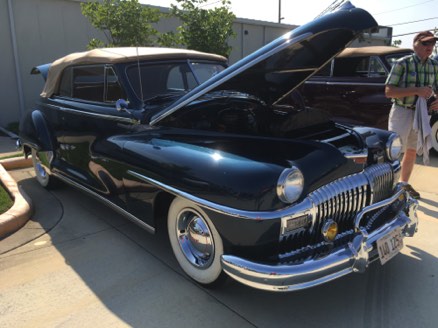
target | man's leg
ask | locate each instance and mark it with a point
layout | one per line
(407, 164)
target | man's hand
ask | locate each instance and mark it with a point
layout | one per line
(424, 92)
(434, 105)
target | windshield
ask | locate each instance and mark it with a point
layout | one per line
(150, 80)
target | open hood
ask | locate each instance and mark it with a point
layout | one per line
(275, 70)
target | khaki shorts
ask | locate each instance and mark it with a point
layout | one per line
(401, 120)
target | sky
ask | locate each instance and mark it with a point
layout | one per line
(405, 16)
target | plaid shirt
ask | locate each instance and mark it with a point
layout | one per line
(403, 74)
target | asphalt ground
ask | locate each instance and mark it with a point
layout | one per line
(76, 263)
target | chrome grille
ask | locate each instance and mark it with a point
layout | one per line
(381, 178)
(341, 201)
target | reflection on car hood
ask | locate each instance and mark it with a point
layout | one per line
(275, 70)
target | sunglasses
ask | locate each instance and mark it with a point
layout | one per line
(428, 43)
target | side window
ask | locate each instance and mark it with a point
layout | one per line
(376, 68)
(113, 90)
(65, 85)
(354, 66)
(88, 83)
(177, 76)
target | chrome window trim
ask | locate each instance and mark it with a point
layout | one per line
(93, 115)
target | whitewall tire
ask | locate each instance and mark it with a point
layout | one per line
(41, 172)
(435, 135)
(195, 242)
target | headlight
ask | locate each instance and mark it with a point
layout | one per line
(290, 185)
(394, 147)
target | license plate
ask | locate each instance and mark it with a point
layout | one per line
(390, 245)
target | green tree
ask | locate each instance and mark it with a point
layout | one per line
(124, 22)
(396, 43)
(205, 30)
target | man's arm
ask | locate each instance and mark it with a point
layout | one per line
(391, 91)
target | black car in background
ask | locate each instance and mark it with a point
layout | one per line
(351, 87)
(248, 187)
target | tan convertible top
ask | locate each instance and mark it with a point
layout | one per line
(117, 55)
(372, 51)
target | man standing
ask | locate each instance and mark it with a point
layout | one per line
(411, 77)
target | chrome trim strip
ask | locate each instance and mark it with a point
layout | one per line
(94, 115)
(354, 257)
(118, 209)
(315, 202)
(344, 83)
(204, 89)
(242, 214)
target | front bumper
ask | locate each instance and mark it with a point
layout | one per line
(354, 257)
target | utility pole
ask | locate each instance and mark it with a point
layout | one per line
(279, 12)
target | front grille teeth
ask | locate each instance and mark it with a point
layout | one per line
(341, 201)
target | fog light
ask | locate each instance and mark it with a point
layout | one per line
(330, 230)
(401, 197)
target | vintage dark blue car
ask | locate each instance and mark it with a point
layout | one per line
(276, 197)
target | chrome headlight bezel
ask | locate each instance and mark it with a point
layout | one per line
(290, 185)
(394, 147)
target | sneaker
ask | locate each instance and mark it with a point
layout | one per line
(414, 194)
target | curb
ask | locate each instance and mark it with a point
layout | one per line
(20, 212)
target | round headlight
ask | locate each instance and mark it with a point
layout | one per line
(290, 185)
(394, 147)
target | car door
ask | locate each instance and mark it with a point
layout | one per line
(353, 93)
(87, 103)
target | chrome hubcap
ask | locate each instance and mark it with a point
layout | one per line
(195, 239)
(40, 170)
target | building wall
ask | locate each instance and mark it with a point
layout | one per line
(34, 32)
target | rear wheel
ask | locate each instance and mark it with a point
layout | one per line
(435, 135)
(41, 172)
(195, 242)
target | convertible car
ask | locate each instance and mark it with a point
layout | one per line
(277, 197)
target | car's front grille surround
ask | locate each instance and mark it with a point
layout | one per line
(341, 201)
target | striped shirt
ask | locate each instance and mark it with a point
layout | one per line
(410, 72)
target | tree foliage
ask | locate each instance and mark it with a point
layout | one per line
(124, 22)
(396, 43)
(205, 30)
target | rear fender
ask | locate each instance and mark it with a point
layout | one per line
(35, 133)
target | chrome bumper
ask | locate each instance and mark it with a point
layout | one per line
(354, 257)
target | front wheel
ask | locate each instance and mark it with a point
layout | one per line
(435, 135)
(41, 172)
(195, 242)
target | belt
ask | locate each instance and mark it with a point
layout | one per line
(412, 107)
